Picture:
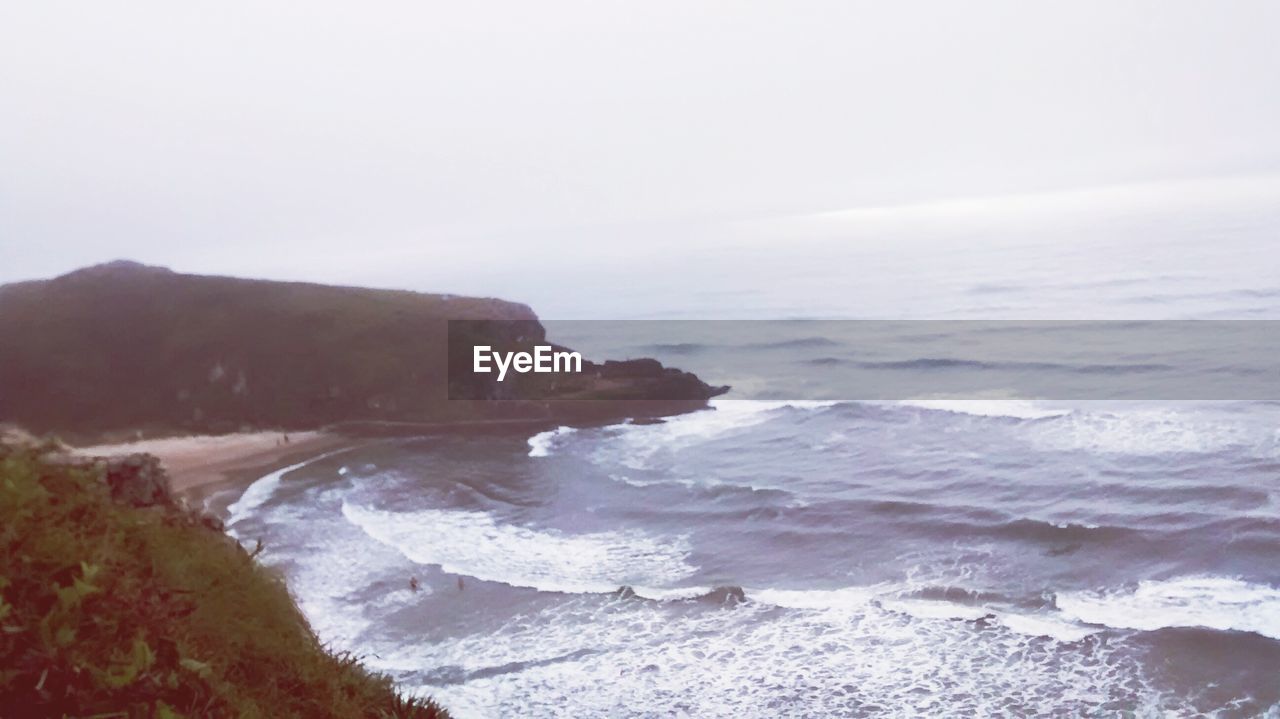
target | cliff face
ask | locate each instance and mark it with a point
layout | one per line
(122, 346)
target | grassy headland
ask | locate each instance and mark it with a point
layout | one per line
(111, 609)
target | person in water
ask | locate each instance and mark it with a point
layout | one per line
(413, 583)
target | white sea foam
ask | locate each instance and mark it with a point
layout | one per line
(256, 494)
(934, 609)
(595, 660)
(856, 599)
(330, 565)
(1013, 408)
(328, 591)
(662, 594)
(1039, 625)
(541, 444)
(639, 443)
(1219, 603)
(473, 544)
(847, 598)
(1154, 431)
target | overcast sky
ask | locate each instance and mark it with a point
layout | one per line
(389, 142)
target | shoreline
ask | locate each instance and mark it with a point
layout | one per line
(202, 466)
(199, 466)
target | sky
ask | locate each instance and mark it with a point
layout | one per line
(426, 144)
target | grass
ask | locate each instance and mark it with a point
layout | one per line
(114, 611)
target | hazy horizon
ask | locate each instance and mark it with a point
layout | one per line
(401, 145)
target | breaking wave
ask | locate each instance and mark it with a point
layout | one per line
(1220, 603)
(475, 545)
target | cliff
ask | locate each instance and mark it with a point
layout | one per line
(123, 347)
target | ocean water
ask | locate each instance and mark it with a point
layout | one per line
(939, 557)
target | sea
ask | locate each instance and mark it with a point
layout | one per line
(838, 557)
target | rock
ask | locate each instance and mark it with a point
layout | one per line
(645, 367)
(643, 378)
(211, 522)
(138, 480)
(729, 596)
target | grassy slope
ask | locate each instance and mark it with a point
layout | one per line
(109, 610)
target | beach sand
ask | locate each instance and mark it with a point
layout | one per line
(198, 465)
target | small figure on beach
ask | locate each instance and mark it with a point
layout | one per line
(459, 584)
(286, 439)
(413, 583)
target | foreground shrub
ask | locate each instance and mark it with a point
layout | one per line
(114, 611)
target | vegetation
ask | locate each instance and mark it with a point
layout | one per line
(108, 610)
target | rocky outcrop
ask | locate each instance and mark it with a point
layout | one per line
(646, 378)
(137, 480)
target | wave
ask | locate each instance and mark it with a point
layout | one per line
(728, 594)
(1221, 603)
(541, 444)
(638, 443)
(915, 604)
(676, 348)
(473, 544)
(1039, 625)
(1039, 530)
(846, 598)
(257, 494)
(753, 660)
(1011, 408)
(799, 342)
(934, 363)
(962, 520)
(1154, 431)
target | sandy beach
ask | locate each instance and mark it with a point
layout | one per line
(199, 464)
